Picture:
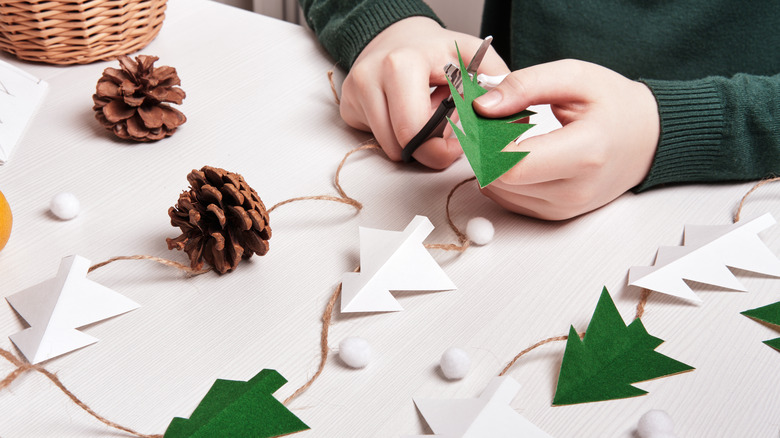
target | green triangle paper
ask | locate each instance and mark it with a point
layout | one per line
(769, 314)
(483, 140)
(611, 356)
(240, 409)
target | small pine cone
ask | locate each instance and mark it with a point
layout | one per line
(221, 218)
(130, 102)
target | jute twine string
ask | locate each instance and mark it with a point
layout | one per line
(23, 366)
(755, 187)
(327, 314)
(645, 294)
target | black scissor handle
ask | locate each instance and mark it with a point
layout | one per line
(434, 128)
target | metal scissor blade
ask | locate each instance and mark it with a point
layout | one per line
(477, 59)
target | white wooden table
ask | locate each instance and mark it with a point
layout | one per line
(259, 104)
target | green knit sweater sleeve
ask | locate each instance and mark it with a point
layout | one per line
(344, 28)
(716, 129)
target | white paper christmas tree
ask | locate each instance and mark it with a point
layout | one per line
(55, 308)
(392, 261)
(490, 415)
(705, 256)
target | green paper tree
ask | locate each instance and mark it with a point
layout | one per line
(769, 314)
(483, 140)
(233, 409)
(611, 356)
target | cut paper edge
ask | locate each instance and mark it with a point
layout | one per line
(392, 261)
(54, 318)
(706, 258)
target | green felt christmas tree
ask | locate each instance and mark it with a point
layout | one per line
(611, 356)
(483, 140)
(233, 409)
(769, 314)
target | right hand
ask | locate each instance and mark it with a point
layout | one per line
(387, 91)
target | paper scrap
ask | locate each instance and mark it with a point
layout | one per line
(236, 409)
(611, 356)
(483, 140)
(490, 415)
(57, 307)
(392, 261)
(769, 314)
(20, 95)
(704, 257)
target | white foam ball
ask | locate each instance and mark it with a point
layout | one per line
(480, 230)
(355, 352)
(655, 424)
(65, 206)
(455, 363)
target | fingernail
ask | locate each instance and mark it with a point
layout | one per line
(489, 99)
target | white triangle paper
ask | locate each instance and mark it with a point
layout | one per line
(392, 261)
(55, 308)
(707, 253)
(490, 415)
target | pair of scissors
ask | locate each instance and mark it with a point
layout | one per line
(438, 121)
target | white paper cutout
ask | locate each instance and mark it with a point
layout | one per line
(490, 415)
(20, 94)
(704, 258)
(55, 308)
(392, 260)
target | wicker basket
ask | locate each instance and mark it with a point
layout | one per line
(78, 31)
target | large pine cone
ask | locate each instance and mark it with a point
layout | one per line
(221, 218)
(130, 102)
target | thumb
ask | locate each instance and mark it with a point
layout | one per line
(550, 83)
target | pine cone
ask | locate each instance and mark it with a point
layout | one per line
(129, 102)
(221, 218)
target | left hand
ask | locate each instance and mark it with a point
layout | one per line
(606, 146)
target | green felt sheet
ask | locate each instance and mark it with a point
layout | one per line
(483, 139)
(233, 409)
(611, 356)
(769, 314)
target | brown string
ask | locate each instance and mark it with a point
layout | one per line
(463, 240)
(160, 260)
(327, 317)
(755, 187)
(533, 347)
(343, 198)
(640, 306)
(327, 314)
(22, 367)
(333, 87)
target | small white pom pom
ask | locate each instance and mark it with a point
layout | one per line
(65, 206)
(455, 363)
(355, 352)
(655, 424)
(480, 230)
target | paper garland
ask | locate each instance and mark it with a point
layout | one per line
(611, 356)
(392, 260)
(490, 415)
(55, 308)
(236, 409)
(769, 314)
(483, 140)
(704, 257)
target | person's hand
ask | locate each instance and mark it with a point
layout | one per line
(606, 145)
(387, 91)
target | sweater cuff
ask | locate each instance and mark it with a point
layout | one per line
(692, 125)
(373, 20)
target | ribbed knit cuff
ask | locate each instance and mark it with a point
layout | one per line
(692, 125)
(371, 21)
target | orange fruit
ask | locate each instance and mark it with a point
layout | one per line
(6, 219)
